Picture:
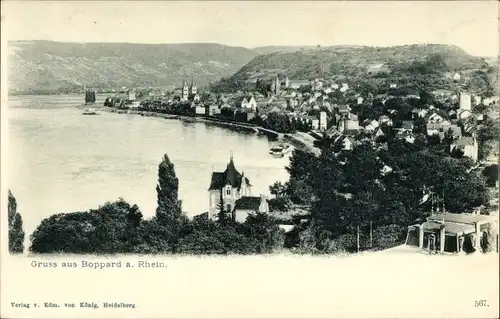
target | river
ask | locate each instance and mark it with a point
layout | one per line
(62, 161)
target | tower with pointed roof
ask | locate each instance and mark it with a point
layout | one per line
(192, 88)
(277, 86)
(185, 91)
(228, 187)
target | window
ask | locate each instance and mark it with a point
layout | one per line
(228, 191)
(228, 207)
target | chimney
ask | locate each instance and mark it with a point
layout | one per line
(263, 207)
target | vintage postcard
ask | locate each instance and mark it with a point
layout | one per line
(249, 159)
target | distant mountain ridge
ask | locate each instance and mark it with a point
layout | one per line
(48, 66)
(59, 67)
(289, 49)
(422, 61)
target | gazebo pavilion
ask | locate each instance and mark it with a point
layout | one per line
(453, 228)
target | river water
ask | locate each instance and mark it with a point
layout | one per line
(62, 161)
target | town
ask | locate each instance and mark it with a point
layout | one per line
(335, 115)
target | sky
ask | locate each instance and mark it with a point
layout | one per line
(471, 25)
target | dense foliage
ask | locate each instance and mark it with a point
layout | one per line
(119, 227)
(16, 232)
(381, 189)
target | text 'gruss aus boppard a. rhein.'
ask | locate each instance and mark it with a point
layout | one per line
(97, 264)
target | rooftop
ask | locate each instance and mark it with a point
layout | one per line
(464, 218)
(229, 177)
(248, 202)
(450, 228)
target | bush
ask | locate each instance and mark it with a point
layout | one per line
(314, 240)
(347, 242)
(113, 228)
(389, 236)
(488, 241)
(468, 245)
(201, 243)
(264, 232)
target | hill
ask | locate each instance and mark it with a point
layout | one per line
(289, 49)
(413, 65)
(274, 49)
(47, 66)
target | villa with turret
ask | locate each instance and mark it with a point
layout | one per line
(231, 190)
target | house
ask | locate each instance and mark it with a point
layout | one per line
(248, 102)
(349, 122)
(477, 100)
(406, 126)
(410, 138)
(418, 112)
(445, 123)
(468, 145)
(317, 84)
(379, 133)
(334, 86)
(313, 121)
(456, 131)
(195, 97)
(131, 95)
(375, 69)
(222, 99)
(291, 102)
(344, 110)
(384, 119)
(442, 93)
(323, 121)
(248, 205)
(226, 188)
(348, 143)
(297, 84)
(371, 125)
(456, 77)
(465, 101)
(200, 110)
(359, 100)
(491, 100)
(344, 87)
(213, 109)
(393, 86)
(435, 118)
(463, 114)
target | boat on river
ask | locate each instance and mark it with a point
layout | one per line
(280, 150)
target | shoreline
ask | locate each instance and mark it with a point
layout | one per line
(294, 139)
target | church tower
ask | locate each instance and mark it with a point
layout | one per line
(277, 86)
(193, 89)
(185, 91)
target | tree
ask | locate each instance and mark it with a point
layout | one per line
(167, 191)
(169, 212)
(112, 228)
(264, 231)
(491, 175)
(16, 232)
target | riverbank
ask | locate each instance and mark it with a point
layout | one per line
(299, 140)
